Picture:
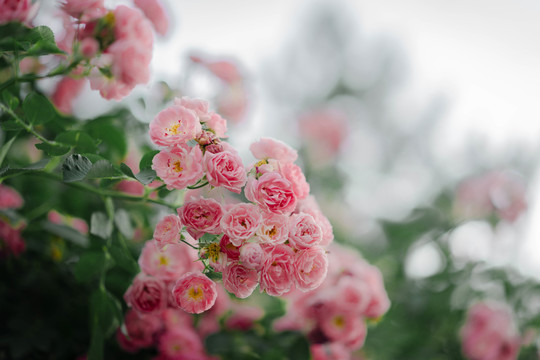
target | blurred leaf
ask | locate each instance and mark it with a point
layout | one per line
(112, 137)
(76, 167)
(146, 160)
(11, 100)
(11, 125)
(5, 171)
(66, 232)
(53, 150)
(38, 109)
(82, 142)
(100, 225)
(127, 170)
(146, 176)
(106, 317)
(39, 40)
(102, 169)
(123, 222)
(124, 260)
(90, 266)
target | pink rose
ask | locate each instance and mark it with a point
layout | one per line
(310, 268)
(199, 106)
(179, 167)
(16, 10)
(296, 177)
(337, 324)
(218, 124)
(354, 294)
(225, 169)
(146, 294)
(10, 198)
(309, 205)
(268, 148)
(201, 216)
(140, 330)
(155, 12)
(84, 9)
(240, 222)
(304, 232)
(183, 343)
(168, 231)
(239, 280)
(175, 318)
(65, 93)
(243, 317)
(174, 125)
(168, 263)
(273, 229)
(252, 255)
(379, 302)
(195, 293)
(228, 248)
(277, 275)
(272, 192)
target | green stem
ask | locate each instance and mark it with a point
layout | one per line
(27, 127)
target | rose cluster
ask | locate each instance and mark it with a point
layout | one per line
(334, 315)
(275, 240)
(174, 333)
(490, 333)
(115, 47)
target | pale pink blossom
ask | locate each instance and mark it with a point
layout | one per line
(353, 293)
(490, 333)
(276, 277)
(338, 325)
(304, 232)
(174, 125)
(16, 10)
(181, 344)
(140, 330)
(195, 292)
(296, 177)
(199, 106)
(310, 268)
(239, 280)
(379, 302)
(201, 216)
(10, 198)
(179, 167)
(65, 93)
(167, 231)
(217, 124)
(273, 229)
(168, 263)
(146, 294)
(76, 223)
(272, 192)
(268, 148)
(310, 206)
(155, 12)
(252, 255)
(225, 169)
(241, 222)
(84, 10)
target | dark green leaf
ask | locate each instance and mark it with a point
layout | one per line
(28, 168)
(35, 41)
(126, 170)
(124, 260)
(53, 150)
(66, 232)
(11, 100)
(82, 142)
(111, 137)
(76, 167)
(100, 225)
(38, 109)
(89, 266)
(11, 125)
(102, 169)
(146, 160)
(146, 176)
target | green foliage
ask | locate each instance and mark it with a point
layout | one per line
(16, 37)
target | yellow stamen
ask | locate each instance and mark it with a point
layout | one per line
(195, 293)
(163, 260)
(177, 166)
(339, 321)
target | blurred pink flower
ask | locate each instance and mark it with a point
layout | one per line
(169, 263)
(182, 344)
(252, 255)
(10, 198)
(65, 93)
(140, 330)
(155, 12)
(16, 10)
(146, 294)
(269, 148)
(310, 268)
(84, 10)
(167, 231)
(11, 241)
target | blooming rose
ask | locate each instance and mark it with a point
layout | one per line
(239, 280)
(201, 216)
(304, 232)
(272, 192)
(84, 9)
(174, 125)
(15, 10)
(277, 276)
(379, 302)
(217, 124)
(199, 106)
(168, 263)
(195, 292)
(268, 148)
(309, 205)
(310, 267)
(155, 12)
(354, 294)
(296, 177)
(273, 229)
(183, 343)
(240, 222)
(140, 330)
(179, 167)
(228, 248)
(146, 294)
(225, 169)
(338, 325)
(10, 198)
(168, 231)
(252, 255)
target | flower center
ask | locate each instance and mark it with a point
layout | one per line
(195, 293)
(173, 130)
(177, 166)
(163, 260)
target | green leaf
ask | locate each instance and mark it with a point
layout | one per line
(146, 160)
(146, 176)
(111, 137)
(100, 225)
(102, 169)
(38, 109)
(35, 41)
(40, 165)
(66, 232)
(90, 266)
(75, 167)
(124, 260)
(11, 100)
(126, 170)
(11, 125)
(54, 149)
(123, 222)
(105, 318)
(82, 142)
(5, 148)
